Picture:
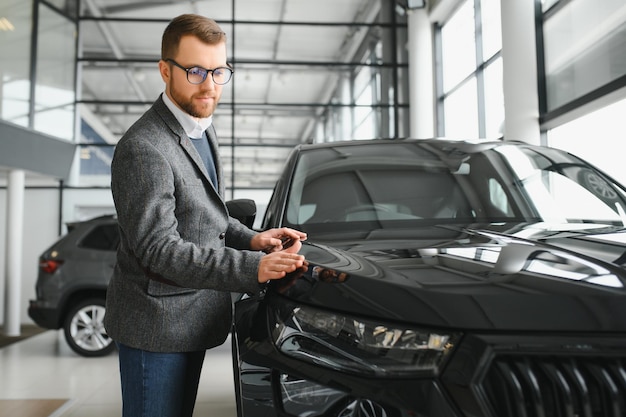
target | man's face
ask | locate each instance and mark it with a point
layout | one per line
(198, 100)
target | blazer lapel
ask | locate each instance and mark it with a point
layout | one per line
(189, 148)
(193, 154)
(210, 132)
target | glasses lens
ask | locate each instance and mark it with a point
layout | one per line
(196, 75)
(221, 75)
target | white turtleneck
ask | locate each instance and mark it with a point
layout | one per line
(193, 126)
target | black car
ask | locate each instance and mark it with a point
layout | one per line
(445, 279)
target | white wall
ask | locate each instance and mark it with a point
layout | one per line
(41, 213)
(41, 230)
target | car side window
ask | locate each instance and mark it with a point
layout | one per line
(498, 197)
(101, 237)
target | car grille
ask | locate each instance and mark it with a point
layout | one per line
(554, 386)
(518, 376)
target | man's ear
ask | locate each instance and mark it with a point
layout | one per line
(164, 69)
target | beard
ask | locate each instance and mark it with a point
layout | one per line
(195, 109)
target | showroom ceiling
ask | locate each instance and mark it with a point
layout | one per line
(287, 56)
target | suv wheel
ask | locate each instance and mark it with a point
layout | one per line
(84, 329)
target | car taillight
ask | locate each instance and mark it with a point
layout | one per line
(49, 266)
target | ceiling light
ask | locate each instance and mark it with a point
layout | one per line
(6, 25)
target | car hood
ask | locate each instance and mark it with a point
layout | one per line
(529, 277)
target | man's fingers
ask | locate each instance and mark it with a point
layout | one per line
(278, 264)
(293, 246)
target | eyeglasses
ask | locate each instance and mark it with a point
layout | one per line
(197, 75)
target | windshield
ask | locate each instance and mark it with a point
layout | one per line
(398, 185)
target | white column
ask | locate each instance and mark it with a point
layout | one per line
(421, 78)
(13, 259)
(519, 60)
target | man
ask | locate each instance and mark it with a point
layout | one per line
(180, 253)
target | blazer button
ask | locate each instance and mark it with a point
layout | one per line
(222, 235)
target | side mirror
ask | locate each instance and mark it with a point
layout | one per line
(242, 209)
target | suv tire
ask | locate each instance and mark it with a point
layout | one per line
(84, 329)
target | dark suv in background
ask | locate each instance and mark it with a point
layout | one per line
(73, 277)
(71, 285)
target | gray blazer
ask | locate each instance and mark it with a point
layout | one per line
(180, 252)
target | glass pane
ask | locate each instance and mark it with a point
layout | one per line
(105, 39)
(95, 165)
(55, 89)
(262, 124)
(122, 81)
(363, 106)
(53, 115)
(295, 10)
(598, 128)
(584, 49)
(312, 82)
(362, 80)
(403, 115)
(461, 110)
(494, 100)
(15, 52)
(547, 4)
(118, 78)
(306, 43)
(458, 46)
(366, 129)
(250, 170)
(492, 27)
(69, 7)
(115, 118)
(256, 132)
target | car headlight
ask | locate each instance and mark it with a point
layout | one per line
(359, 345)
(307, 398)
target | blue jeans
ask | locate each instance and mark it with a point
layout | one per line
(159, 384)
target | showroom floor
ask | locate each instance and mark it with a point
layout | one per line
(40, 377)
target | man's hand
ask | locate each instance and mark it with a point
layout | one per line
(274, 240)
(276, 265)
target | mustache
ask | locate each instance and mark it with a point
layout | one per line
(201, 95)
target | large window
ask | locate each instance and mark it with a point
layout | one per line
(584, 50)
(15, 69)
(365, 104)
(301, 75)
(37, 83)
(597, 137)
(56, 84)
(471, 103)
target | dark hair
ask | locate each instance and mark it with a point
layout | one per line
(205, 29)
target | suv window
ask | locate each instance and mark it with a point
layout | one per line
(102, 237)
